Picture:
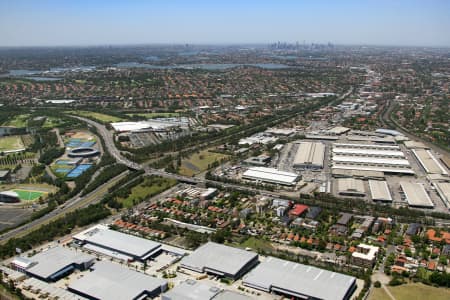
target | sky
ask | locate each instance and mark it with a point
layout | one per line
(111, 22)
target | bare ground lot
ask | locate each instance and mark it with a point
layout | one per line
(10, 216)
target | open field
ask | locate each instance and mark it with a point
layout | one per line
(150, 187)
(412, 291)
(378, 294)
(418, 291)
(199, 162)
(11, 143)
(155, 115)
(96, 116)
(257, 244)
(18, 121)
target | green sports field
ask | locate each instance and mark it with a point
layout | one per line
(26, 195)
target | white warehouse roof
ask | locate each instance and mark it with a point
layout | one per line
(103, 237)
(379, 190)
(112, 281)
(371, 160)
(299, 280)
(271, 175)
(367, 146)
(368, 152)
(429, 162)
(49, 262)
(416, 195)
(443, 189)
(310, 153)
(219, 259)
(390, 169)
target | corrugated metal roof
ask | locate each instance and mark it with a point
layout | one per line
(55, 259)
(112, 281)
(416, 195)
(102, 236)
(379, 190)
(224, 259)
(299, 280)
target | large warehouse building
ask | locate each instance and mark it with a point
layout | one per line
(57, 262)
(429, 162)
(309, 155)
(108, 280)
(379, 191)
(220, 260)
(271, 175)
(370, 157)
(350, 187)
(415, 195)
(443, 189)
(300, 281)
(196, 290)
(119, 245)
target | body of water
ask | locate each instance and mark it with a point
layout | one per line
(200, 66)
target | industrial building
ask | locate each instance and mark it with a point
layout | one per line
(338, 130)
(191, 290)
(195, 290)
(271, 175)
(157, 125)
(309, 155)
(9, 197)
(350, 187)
(301, 281)
(370, 157)
(119, 245)
(359, 174)
(108, 280)
(443, 190)
(365, 167)
(429, 162)
(379, 191)
(57, 262)
(415, 195)
(220, 260)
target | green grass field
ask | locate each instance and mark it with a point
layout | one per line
(149, 188)
(9, 143)
(198, 162)
(18, 121)
(378, 294)
(155, 115)
(97, 116)
(26, 195)
(412, 291)
(418, 291)
(257, 244)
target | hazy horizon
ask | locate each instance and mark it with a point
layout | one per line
(51, 23)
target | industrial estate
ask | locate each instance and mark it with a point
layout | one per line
(189, 172)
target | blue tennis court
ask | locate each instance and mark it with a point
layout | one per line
(63, 170)
(78, 170)
(63, 162)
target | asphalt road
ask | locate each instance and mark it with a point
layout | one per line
(70, 205)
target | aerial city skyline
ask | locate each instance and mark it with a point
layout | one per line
(82, 23)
